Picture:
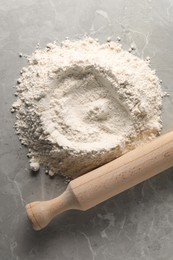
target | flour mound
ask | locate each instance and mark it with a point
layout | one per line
(82, 104)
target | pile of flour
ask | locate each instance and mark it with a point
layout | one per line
(82, 104)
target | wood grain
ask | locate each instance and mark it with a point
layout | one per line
(105, 182)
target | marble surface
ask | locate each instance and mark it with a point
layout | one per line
(135, 225)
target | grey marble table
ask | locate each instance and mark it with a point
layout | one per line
(135, 225)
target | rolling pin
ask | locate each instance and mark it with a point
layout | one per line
(106, 181)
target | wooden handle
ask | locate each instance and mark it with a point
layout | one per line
(106, 181)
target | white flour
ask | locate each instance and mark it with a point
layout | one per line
(82, 104)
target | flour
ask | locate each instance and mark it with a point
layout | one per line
(82, 104)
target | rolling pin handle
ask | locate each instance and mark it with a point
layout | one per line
(41, 213)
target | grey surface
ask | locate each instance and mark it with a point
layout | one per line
(135, 225)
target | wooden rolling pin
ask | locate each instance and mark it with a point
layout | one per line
(106, 181)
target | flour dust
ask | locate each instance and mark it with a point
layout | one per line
(82, 104)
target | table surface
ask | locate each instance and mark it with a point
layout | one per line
(135, 225)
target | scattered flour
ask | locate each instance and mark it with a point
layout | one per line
(81, 104)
